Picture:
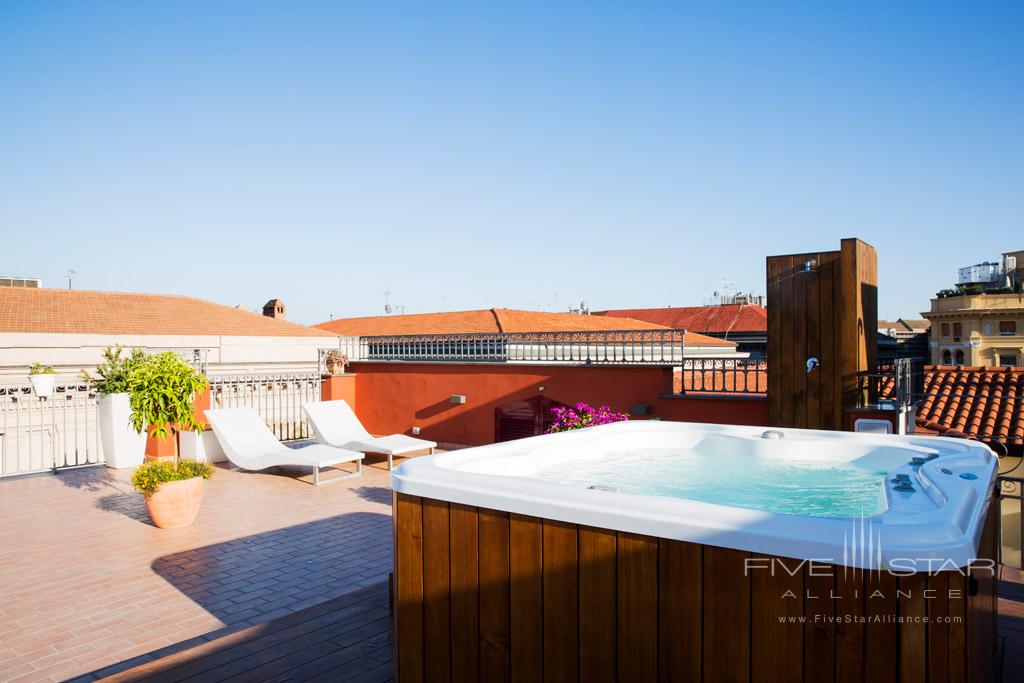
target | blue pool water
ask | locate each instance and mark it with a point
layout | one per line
(800, 487)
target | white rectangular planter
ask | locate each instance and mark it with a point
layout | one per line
(122, 445)
(200, 447)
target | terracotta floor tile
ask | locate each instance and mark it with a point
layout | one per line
(89, 582)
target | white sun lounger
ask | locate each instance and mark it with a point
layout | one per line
(334, 424)
(249, 444)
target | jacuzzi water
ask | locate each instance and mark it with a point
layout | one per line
(817, 488)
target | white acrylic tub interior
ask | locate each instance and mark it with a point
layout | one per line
(934, 520)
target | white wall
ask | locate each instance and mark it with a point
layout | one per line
(69, 354)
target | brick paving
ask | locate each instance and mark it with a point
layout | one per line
(91, 587)
(344, 639)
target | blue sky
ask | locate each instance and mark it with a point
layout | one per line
(527, 155)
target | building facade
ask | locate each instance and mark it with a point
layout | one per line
(977, 329)
(903, 338)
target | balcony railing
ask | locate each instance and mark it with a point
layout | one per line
(620, 347)
(722, 376)
(278, 398)
(40, 434)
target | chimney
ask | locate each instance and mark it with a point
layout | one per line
(274, 309)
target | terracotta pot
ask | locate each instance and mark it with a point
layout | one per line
(331, 366)
(176, 503)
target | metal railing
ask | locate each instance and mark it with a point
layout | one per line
(277, 398)
(620, 347)
(722, 376)
(894, 382)
(40, 434)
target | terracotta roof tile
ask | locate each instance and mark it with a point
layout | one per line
(986, 402)
(62, 311)
(496, 320)
(702, 319)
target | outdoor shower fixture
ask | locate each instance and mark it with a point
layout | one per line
(812, 363)
(810, 265)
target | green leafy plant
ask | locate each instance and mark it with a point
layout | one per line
(113, 373)
(148, 478)
(161, 390)
(40, 369)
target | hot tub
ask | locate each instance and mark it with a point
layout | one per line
(666, 548)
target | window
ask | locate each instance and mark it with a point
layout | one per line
(1007, 328)
(945, 329)
(1008, 360)
(947, 357)
(959, 357)
(958, 330)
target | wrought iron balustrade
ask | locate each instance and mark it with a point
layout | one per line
(722, 376)
(619, 347)
(39, 434)
(278, 398)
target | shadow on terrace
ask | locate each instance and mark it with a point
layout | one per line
(254, 579)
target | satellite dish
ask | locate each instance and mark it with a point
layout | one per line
(584, 307)
(387, 308)
(716, 293)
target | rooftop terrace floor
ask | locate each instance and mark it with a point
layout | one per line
(90, 586)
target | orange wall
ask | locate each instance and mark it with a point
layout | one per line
(394, 397)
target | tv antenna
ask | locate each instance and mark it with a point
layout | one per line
(388, 308)
(70, 274)
(584, 308)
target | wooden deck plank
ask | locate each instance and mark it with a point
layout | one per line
(726, 615)
(561, 602)
(495, 601)
(436, 609)
(465, 597)
(526, 588)
(597, 604)
(409, 586)
(638, 607)
(680, 584)
(776, 634)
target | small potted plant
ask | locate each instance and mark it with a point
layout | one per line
(123, 446)
(42, 378)
(336, 360)
(162, 389)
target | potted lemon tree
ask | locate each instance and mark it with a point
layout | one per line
(161, 392)
(123, 446)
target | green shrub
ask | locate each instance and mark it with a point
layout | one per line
(162, 388)
(113, 372)
(40, 369)
(147, 478)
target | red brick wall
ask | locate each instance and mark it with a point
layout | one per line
(394, 397)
